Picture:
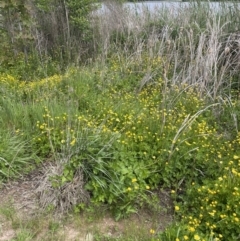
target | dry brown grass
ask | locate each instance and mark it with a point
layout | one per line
(198, 45)
(61, 198)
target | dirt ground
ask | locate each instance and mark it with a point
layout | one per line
(20, 197)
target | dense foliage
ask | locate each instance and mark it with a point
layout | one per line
(155, 109)
(47, 34)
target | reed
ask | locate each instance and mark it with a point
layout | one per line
(198, 43)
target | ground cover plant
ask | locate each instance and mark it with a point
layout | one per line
(156, 109)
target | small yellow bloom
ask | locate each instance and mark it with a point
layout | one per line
(72, 143)
(129, 189)
(134, 180)
(177, 208)
(236, 157)
(220, 178)
(196, 237)
(147, 187)
(185, 237)
(191, 229)
(152, 231)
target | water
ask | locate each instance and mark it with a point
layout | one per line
(174, 6)
(155, 5)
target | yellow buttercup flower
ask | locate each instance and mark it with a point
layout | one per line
(191, 229)
(134, 180)
(72, 143)
(196, 237)
(152, 231)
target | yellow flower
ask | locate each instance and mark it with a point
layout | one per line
(152, 231)
(129, 189)
(134, 180)
(147, 187)
(196, 237)
(236, 157)
(191, 229)
(72, 143)
(177, 208)
(185, 237)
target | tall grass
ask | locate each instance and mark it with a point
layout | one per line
(16, 157)
(197, 42)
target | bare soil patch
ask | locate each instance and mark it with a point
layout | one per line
(21, 195)
(6, 231)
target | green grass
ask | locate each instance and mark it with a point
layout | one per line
(157, 109)
(128, 142)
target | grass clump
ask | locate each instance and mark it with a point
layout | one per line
(15, 155)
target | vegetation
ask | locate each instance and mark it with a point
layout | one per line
(123, 111)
